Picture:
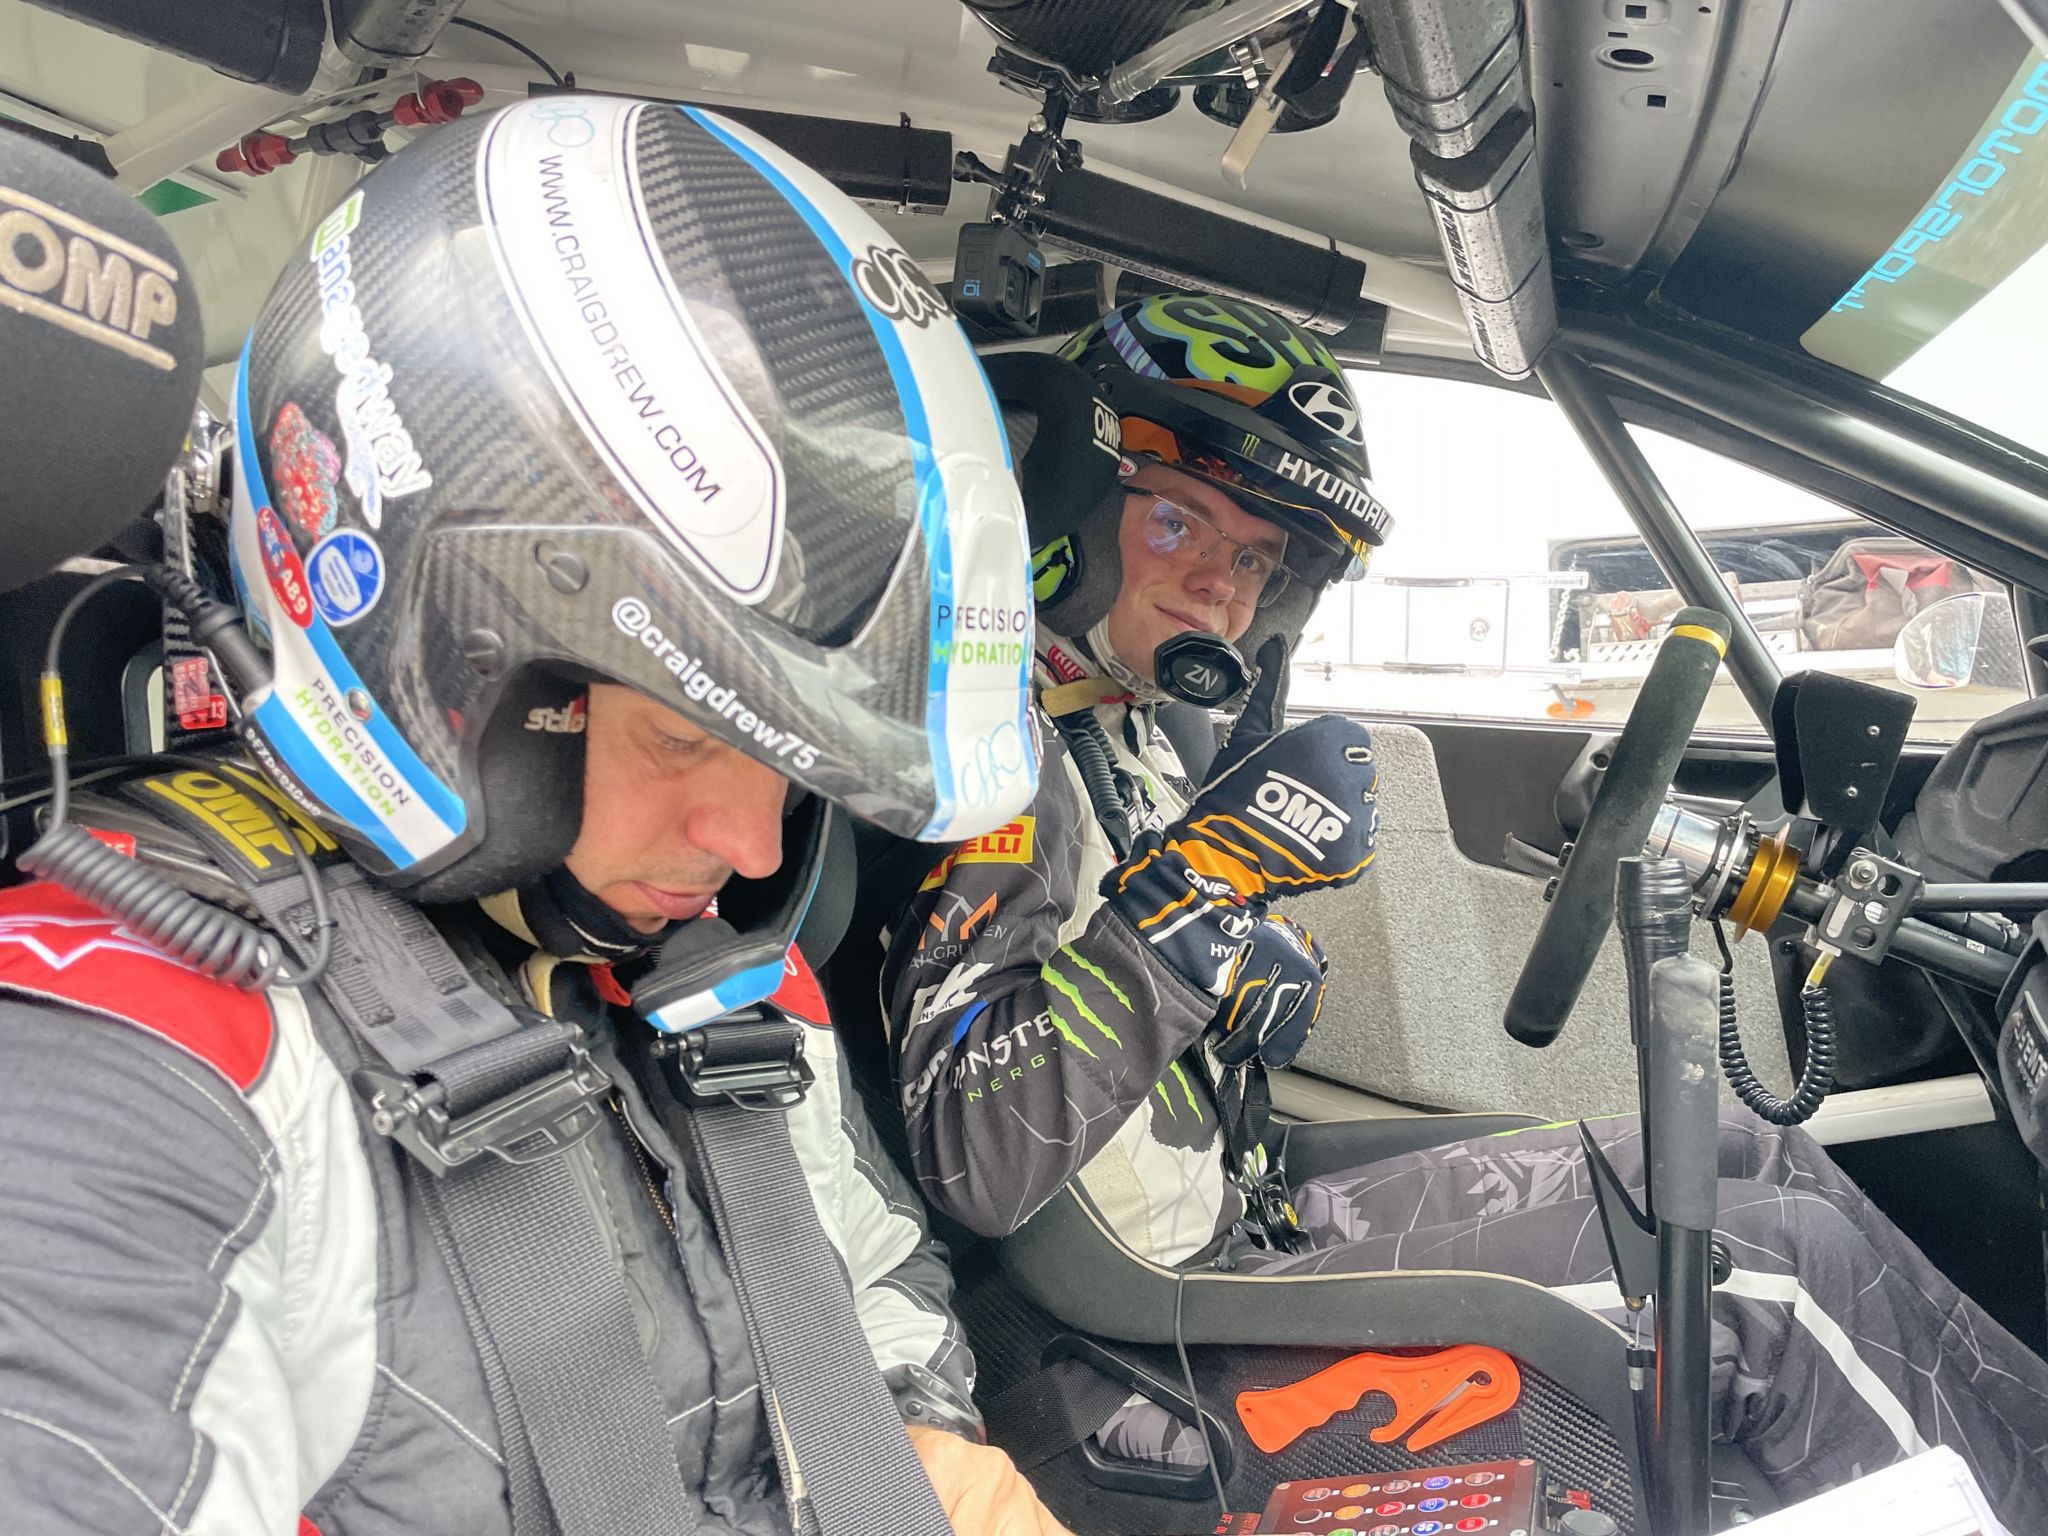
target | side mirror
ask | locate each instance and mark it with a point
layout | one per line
(1968, 638)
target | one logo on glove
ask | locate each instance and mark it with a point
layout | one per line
(1294, 810)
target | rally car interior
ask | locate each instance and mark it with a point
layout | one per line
(1685, 218)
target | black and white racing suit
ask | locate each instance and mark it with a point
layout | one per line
(222, 1313)
(1838, 1347)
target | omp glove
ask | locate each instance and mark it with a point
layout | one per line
(1274, 997)
(1285, 812)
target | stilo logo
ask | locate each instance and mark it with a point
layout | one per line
(282, 565)
(1304, 814)
(570, 720)
(1327, 406)
(897, 286)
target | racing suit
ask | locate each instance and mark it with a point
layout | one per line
(225, 1312)
(1025, 1058)
(1838, 1347)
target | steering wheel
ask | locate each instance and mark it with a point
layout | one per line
(1645, 759)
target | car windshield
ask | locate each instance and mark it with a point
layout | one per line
(1955, 312)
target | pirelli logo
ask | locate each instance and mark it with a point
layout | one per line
(56, 267)
(1006, 845)
(240, 812)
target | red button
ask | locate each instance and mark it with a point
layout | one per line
(1390, 1509)
(1476, 1500)
(1473, 1523)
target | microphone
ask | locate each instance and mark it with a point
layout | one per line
(100, 356)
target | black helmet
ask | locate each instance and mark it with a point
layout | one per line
(1233, 393)
(1230, 392)
(599, 389)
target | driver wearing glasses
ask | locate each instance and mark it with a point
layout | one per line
(1095, 992)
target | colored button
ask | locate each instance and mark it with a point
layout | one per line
(1428, 1528)
(1476, 1500)
(1473, 1523)
(1360, 1490)
(1392, 1508)
(1351, 1511)
(1432, 1504)
(1436, 1482)
(1343, 1530)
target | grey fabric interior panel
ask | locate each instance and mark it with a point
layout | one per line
(1424, 952)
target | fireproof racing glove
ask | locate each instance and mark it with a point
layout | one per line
(1287, 811)
(1274, 997)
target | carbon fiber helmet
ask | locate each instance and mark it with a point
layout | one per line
(597, 389)
(1234, 394)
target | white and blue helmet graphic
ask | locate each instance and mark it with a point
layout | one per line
(595, 388)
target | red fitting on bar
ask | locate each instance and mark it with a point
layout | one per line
(438, 101)
(257, 155)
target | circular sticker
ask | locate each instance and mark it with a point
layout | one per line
(346, 573)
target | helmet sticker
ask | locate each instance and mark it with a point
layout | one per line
(303, 459)
(897, 286)
(282, 566)
(1328, 405)
(568, 226)
(346, 570)
(632, 617)
(1231, 343)
(382, 461)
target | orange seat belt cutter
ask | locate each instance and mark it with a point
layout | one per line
(1436, 1395)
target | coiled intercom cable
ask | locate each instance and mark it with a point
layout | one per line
(1816, 1078)
(208, 939)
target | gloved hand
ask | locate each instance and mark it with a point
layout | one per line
(980, 1488)
(1274, 997)
(1284, 812)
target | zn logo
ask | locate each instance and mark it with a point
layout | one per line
(895, 285)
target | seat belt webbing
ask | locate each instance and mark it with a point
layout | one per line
(586, 1445)
(836, 1419)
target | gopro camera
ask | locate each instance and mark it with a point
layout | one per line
(998, 278)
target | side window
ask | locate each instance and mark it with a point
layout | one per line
(1514, 586)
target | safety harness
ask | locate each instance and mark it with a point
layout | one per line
(484, 1093)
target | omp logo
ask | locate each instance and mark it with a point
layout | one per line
(57, 268)
(258, 832)
(1304, 814)
(570, 720)
(894, 284)
(1327, 406)
(1109, 432)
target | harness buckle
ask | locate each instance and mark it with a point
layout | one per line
(536, 1120)
(752, 1059)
